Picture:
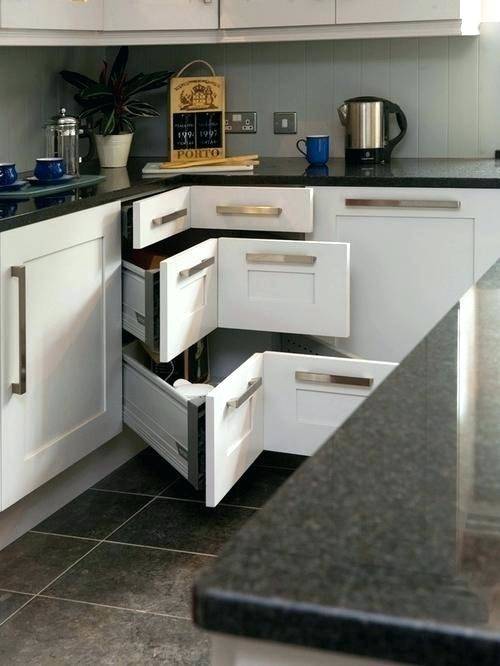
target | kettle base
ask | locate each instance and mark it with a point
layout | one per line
(366, 156)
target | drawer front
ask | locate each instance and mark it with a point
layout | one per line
(160, 216)
(188, 308)
(283, 209)
(51, 14)
(141, 303)
(284, 286)
(160, 15)
(308, 397)
(264, 14)
(172, 425)
(234, 428)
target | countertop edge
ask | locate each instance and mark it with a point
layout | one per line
(335, 629)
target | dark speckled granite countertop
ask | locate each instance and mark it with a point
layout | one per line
(386, 543)
(128, 182)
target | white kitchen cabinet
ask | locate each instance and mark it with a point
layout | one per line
(412, 258)
(52, 14)
(60, 354)
(273, 401)
(261, 13)
(240, 283)
(392, 11)
(161, 15)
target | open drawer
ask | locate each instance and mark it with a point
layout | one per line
(160, 216)
(254, 284)
(283, 209)
(274, 401)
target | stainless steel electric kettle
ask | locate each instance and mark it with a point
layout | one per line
(367, 126)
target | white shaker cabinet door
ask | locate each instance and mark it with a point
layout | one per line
(52, 14)
(284, 286)
(307, 398)
(60, 332)
(262, 13)
(161, 15)
(234, 428)
(390, 11)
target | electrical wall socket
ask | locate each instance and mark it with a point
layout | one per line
(285, 122)
(241, 122)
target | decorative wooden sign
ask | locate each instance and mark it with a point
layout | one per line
(197, 108)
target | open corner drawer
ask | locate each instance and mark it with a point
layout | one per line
(278, 286)
(273, 401)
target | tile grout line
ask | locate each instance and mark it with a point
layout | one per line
(195, 501)
(111, 607)
(65, 536)
(168, 550)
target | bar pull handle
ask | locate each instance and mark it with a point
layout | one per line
(188, 272)
(339, 380)
(431, 204)
(255, 211)
(253, 386)
(19, 272)
(273, 258)
(158, 221)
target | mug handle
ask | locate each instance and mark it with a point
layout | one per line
(299, 148)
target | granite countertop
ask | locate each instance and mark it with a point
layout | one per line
(386, 543)
(127, 183)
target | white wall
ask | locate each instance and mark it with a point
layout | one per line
(32, 91)
(449, 88)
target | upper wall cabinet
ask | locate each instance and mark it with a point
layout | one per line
(392, 11)
(51, 14)
(161, 14)
(263, 14)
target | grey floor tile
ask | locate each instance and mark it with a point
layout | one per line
(189, 526)
(31, 562)
(254, 488)
(146, 473)
(10, 602)
(50, 631)
(285, 460)
(93, 514)
(133, 577)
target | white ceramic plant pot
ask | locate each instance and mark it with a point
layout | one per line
(113, 150)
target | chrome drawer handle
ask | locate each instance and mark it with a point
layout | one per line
(339, 380)
(158, 221)
(402, 203)
(253, 386)
(271, 258)
(188, 272)
(19, 272)
(256, 211)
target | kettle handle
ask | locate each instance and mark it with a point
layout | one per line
(402, 121)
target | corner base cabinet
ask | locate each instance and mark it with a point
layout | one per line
(60, 354)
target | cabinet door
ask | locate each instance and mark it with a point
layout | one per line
(188, 293)
(161, 14)
(406, 272)
(52, 14)
(261, 13)
(390, 11)
(60, 352)
(234, 428)
(284, 286)
(306, 398)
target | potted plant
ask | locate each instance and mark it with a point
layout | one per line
(111, 105)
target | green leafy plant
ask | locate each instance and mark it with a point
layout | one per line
(110, 104)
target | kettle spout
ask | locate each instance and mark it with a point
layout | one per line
(342, 111)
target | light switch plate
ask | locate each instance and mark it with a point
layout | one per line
(241, 122)
(285, 122)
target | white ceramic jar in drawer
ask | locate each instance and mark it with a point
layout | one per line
(273, 401)
(254, 284)
(283, 209)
